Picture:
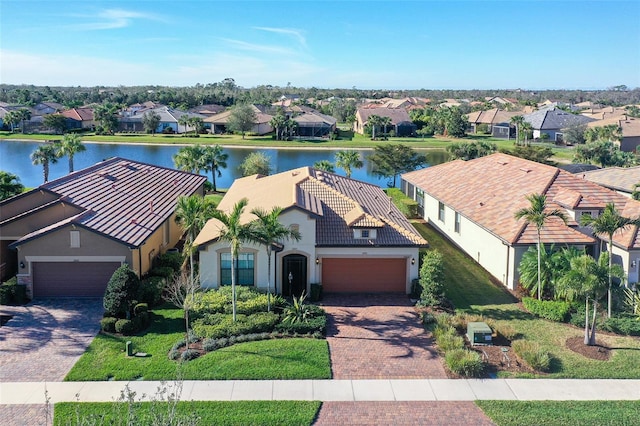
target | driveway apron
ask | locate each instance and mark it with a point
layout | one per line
(378, 336)
(46, 337)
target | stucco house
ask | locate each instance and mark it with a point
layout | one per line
(473, 204)
(401, 123)
(66, 237)
(497, 121)
(620, 179)
(80, 118)
(353, 238)
(552, 121)
(218, 122)
(629, 131)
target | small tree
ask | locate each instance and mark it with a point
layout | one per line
(347, 160)
(122, 292)
(180, 292)
(242, 119)
(56, 122)
(150, 122)
(324, 165)
(9, 185)
(256, 163)
(391, 160)
(432, 278)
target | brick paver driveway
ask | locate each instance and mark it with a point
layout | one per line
(46, 337)
(378, 336)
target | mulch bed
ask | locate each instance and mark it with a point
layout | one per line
(599, 351)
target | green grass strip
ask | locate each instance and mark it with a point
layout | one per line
(203, 413)
(551, 413)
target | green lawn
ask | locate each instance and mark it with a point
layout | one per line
(470, 289)
(294, 413)
(551, 413)
(105, 359)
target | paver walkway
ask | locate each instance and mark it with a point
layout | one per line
(46, 337)
(378, 336)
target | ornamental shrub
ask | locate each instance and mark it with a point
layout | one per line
(554, 310)
(533, 354)
(163, 271)
(125, 327)
(151, 290)
(431, 278)
(627, 325)
(121, 292)
(464, 362)
(189, 354)
(108, 324)
(172, 260)
(216, 326)
(310, 326)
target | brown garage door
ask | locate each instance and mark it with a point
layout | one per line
(71, 279)
(364, 275)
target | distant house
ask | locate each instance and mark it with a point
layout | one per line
(207, 110)
(552, 121)
(313, 124)
(353, 238)
(401, 123)
(169, 118)
(66, 237)
(629, 128)
(79, 118)
(473, 204)
(497, 121)
(219, 122)
(45, 108)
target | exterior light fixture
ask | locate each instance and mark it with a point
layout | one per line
(633, 263)
(21, 265)
(413, 260)
(317, 261)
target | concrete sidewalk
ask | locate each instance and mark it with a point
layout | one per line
(328, 390)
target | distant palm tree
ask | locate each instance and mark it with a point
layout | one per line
(190, 159)
(184, 121)
(347, 160)
(235, 233)
(537, 214)
(324, 165)
(608, 223)
(214, 160)
(374, 121)
(70, 146)
(526, 129)
(384, 122)
(269, 231)
(517, 121)
(44, 155)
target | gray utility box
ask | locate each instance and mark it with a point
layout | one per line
(479, 333)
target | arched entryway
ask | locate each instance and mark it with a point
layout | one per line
(294, 274)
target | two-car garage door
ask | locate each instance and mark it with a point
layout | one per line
(71, 279)
(364, 275)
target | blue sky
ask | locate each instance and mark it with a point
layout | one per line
(327, 44)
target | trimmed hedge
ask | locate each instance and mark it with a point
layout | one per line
(464, 362)
(554, 310)
(12, 293)
(108, 324)
(125, 327)
(310, 326)
(627, 325)
(215, 326)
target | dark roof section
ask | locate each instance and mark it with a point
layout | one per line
(124, 199)
(553, 118)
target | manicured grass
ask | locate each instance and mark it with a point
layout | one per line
(105, 359)
(548, 413)
(470, 289)
(217, 197)
(292, 413)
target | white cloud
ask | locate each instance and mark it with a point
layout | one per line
(291, 32)
(261, 48)
(112, 19)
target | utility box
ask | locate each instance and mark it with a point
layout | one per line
(479, 333)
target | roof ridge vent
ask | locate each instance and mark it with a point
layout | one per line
(524, 169)
(502, 162)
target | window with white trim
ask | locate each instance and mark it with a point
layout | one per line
(441, 211)
(457, 223)
(244, 269)
(75, 239)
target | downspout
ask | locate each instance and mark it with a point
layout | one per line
(276, 249)
(506, 280)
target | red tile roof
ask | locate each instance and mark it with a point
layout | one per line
(122, 199)
(489, 190)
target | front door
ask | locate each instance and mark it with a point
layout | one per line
(294, 274)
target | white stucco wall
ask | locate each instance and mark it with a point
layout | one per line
(630, 262)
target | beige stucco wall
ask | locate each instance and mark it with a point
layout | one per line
(38, 220)
(25, 203)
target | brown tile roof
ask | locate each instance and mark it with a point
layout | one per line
(339, 204)
(618, 178)
(489, 190)
(80, 114)
(396, 115)
(122, 199)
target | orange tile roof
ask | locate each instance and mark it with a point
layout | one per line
(489, 190)
(339, 204)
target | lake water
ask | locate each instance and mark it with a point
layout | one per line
(15, 158)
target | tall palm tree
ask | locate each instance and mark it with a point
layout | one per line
(374, 121)
(23, 114)
(526, 128)
(192, 213)
(517, 121)
(235, 233)
(215, 159)
(278, 122)
(384, 122)
(588, 278)
(269, 231)
(184, 121)
(70, 146)
(608, 223)
(347, 160)
(537, 214)
(9, 185)
(324, 165)
(44, 155)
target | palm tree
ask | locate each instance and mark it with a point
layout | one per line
(517, 121)
(9, 185)
(347, 160)
(384, 122)
(70, 146)
(526, 128)
(235, 233)
(538, 215)
(588, 278)
(270, 231)
(191, 214)
(184, 121)
(278, 122)
(608, 223)
(23, 114)
(44, 155)
(214, 159)
(374, 121)
(190, 159)
(324, 165)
